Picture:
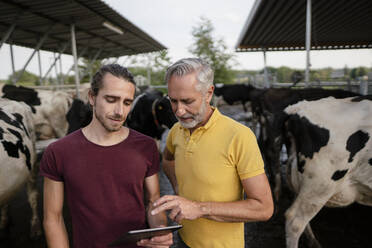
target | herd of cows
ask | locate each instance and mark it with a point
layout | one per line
(326, 133)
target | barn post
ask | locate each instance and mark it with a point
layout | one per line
(39, 44)
(61, 82)
(82, 52)
(12, 59)
(7, 34)
(40, 69)
(74, 53)
(56, 70)
(55, 61)
(266, 77)
(89, 66)
(308, 42)
(363, 86)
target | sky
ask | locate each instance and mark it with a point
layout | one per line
(170, 22)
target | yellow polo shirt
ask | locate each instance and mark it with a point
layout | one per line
(210, 165)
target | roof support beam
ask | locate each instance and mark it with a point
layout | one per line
(61, 69)
(39, 44)
(7, 34)
(74, 53)
(266, 77)
(11, 28)
(12, 59)
(57, 82)
(308, 42)
(54, 62)
(40, 69)
(82, 52)
(92, 61)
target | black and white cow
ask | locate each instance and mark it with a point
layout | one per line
(49, 108)
(20, 94)
(151, 112)
(270, 107)
(330, 162)
(17, 158)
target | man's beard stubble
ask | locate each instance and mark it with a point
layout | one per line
(105, 125)
(197, 118)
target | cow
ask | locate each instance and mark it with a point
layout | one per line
(17, 159)
(330, 161)
(151, 112)
(20, 94)
(232, 93)
(49, 108)
(270, 105)
(50, 116)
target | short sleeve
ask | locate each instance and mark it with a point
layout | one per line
(247, 155)
(169, 142)
(154, 167)
(48, 165)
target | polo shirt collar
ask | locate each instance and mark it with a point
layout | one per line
(212, 120)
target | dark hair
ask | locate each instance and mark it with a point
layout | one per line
(114, 69)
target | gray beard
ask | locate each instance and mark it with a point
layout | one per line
(198, 118)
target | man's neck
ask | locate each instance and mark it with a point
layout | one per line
(97, 134)
(208, 115)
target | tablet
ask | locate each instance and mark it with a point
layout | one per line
(136, 235)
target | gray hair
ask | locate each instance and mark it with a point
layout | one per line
(182, 67)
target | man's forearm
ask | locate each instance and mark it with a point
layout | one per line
(169, 170)
(240, 211)
(55, 233)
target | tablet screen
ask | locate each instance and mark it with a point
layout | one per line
(136, 235)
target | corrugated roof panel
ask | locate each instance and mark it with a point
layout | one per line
(281, 25)
(88, 15)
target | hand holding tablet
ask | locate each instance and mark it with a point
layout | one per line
(136, 235)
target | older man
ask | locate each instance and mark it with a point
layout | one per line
(210, 160)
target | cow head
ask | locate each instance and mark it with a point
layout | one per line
(79, 115)
(20, 94)
(163, 114)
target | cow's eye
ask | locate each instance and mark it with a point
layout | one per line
(160, 107)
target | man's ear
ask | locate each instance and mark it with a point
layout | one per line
(91, 97)
(210, 93)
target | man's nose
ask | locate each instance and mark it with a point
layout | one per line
(119, 109)
(180, 110)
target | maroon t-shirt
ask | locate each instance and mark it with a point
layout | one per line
(104, 185)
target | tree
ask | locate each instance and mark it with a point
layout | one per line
(151, 65)
(27, 78)
(362, 71)
(284, 74)
(212, 50)
(88, 68)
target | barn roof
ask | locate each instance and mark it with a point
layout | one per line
(280, 25)
(94, 21)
